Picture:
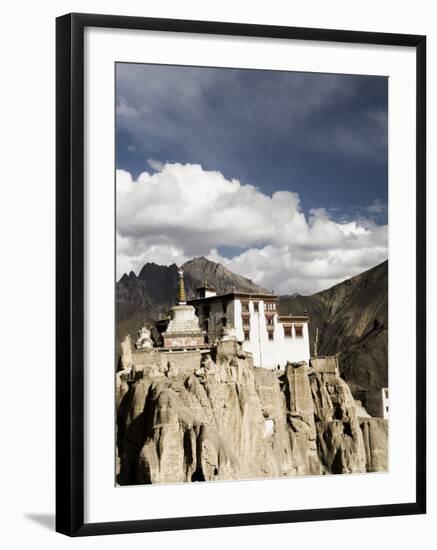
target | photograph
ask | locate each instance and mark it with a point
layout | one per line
(221, 231)
(251, 291)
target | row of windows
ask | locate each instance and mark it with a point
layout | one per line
(269, 306)
(246, 320)
(298, 330)
(205, 310)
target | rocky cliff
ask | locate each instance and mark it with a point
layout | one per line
(224, 419)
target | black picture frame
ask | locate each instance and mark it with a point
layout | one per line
(70, 273)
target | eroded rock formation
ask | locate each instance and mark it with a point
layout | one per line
(224, 419)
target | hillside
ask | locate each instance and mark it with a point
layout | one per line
(352, 318)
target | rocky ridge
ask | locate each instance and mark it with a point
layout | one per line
(224, 419)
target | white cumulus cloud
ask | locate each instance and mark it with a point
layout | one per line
(182, 211)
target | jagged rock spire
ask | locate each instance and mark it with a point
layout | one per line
(182, 298)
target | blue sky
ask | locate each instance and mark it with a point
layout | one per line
(321, 138)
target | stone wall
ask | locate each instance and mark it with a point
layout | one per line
(144, 358)
(154, 361)
(327, 364)
(179, 361)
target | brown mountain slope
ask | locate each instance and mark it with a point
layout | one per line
(199, 270)
(352, 318)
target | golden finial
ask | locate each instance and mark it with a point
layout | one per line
(182, 298)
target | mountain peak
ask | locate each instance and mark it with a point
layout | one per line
(201, 260)
(200, 269)
(152, 270)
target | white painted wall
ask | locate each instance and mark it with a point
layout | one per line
(209, 293)
(270, 353)
(266, 353)
(385, 403)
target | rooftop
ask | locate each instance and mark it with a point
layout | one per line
(291, 318)
(236, 295)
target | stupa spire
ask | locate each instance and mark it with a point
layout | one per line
(182, 298)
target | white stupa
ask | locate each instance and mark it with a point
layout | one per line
(183, 328)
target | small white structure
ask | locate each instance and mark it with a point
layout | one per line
(253, 320)
(385, 404)
(144, 340)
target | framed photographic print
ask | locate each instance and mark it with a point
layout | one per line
(240, 274)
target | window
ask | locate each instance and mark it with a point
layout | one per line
(246, 319)
(206, 311)
(246, 335)
(270, 335)
(298, 329)
(245, 307)
(287, 332)
(224, 321)
(256, 306)
(270, 306)
(270, 321)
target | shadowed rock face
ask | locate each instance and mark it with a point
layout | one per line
(352, 319)
(233, 421)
